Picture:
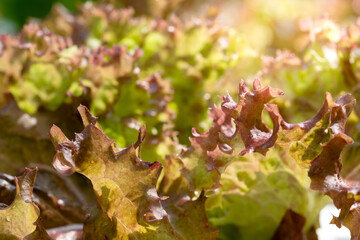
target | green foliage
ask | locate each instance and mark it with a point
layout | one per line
(258, 187)
(18, 219)
(128, 206)
(190, 55)
(243, 176)
(43, 85)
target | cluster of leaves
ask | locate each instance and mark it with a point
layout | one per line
(83, 59)
(273, 178)
(44, 70)
(243, 177)
(43, 78)
(133, 202)
(328, 63)
(192, 55)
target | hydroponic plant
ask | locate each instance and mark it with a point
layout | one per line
(257, 168)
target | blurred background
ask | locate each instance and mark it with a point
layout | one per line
(268, 25)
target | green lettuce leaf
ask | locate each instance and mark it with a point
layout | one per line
(19, 220)
(122, 182)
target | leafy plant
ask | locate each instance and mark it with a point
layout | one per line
(70, 156)
(192, 55)
(20, 219)
(247, 174)
(130, 205)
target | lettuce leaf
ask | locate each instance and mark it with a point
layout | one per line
(122, 182)
(19, 220)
